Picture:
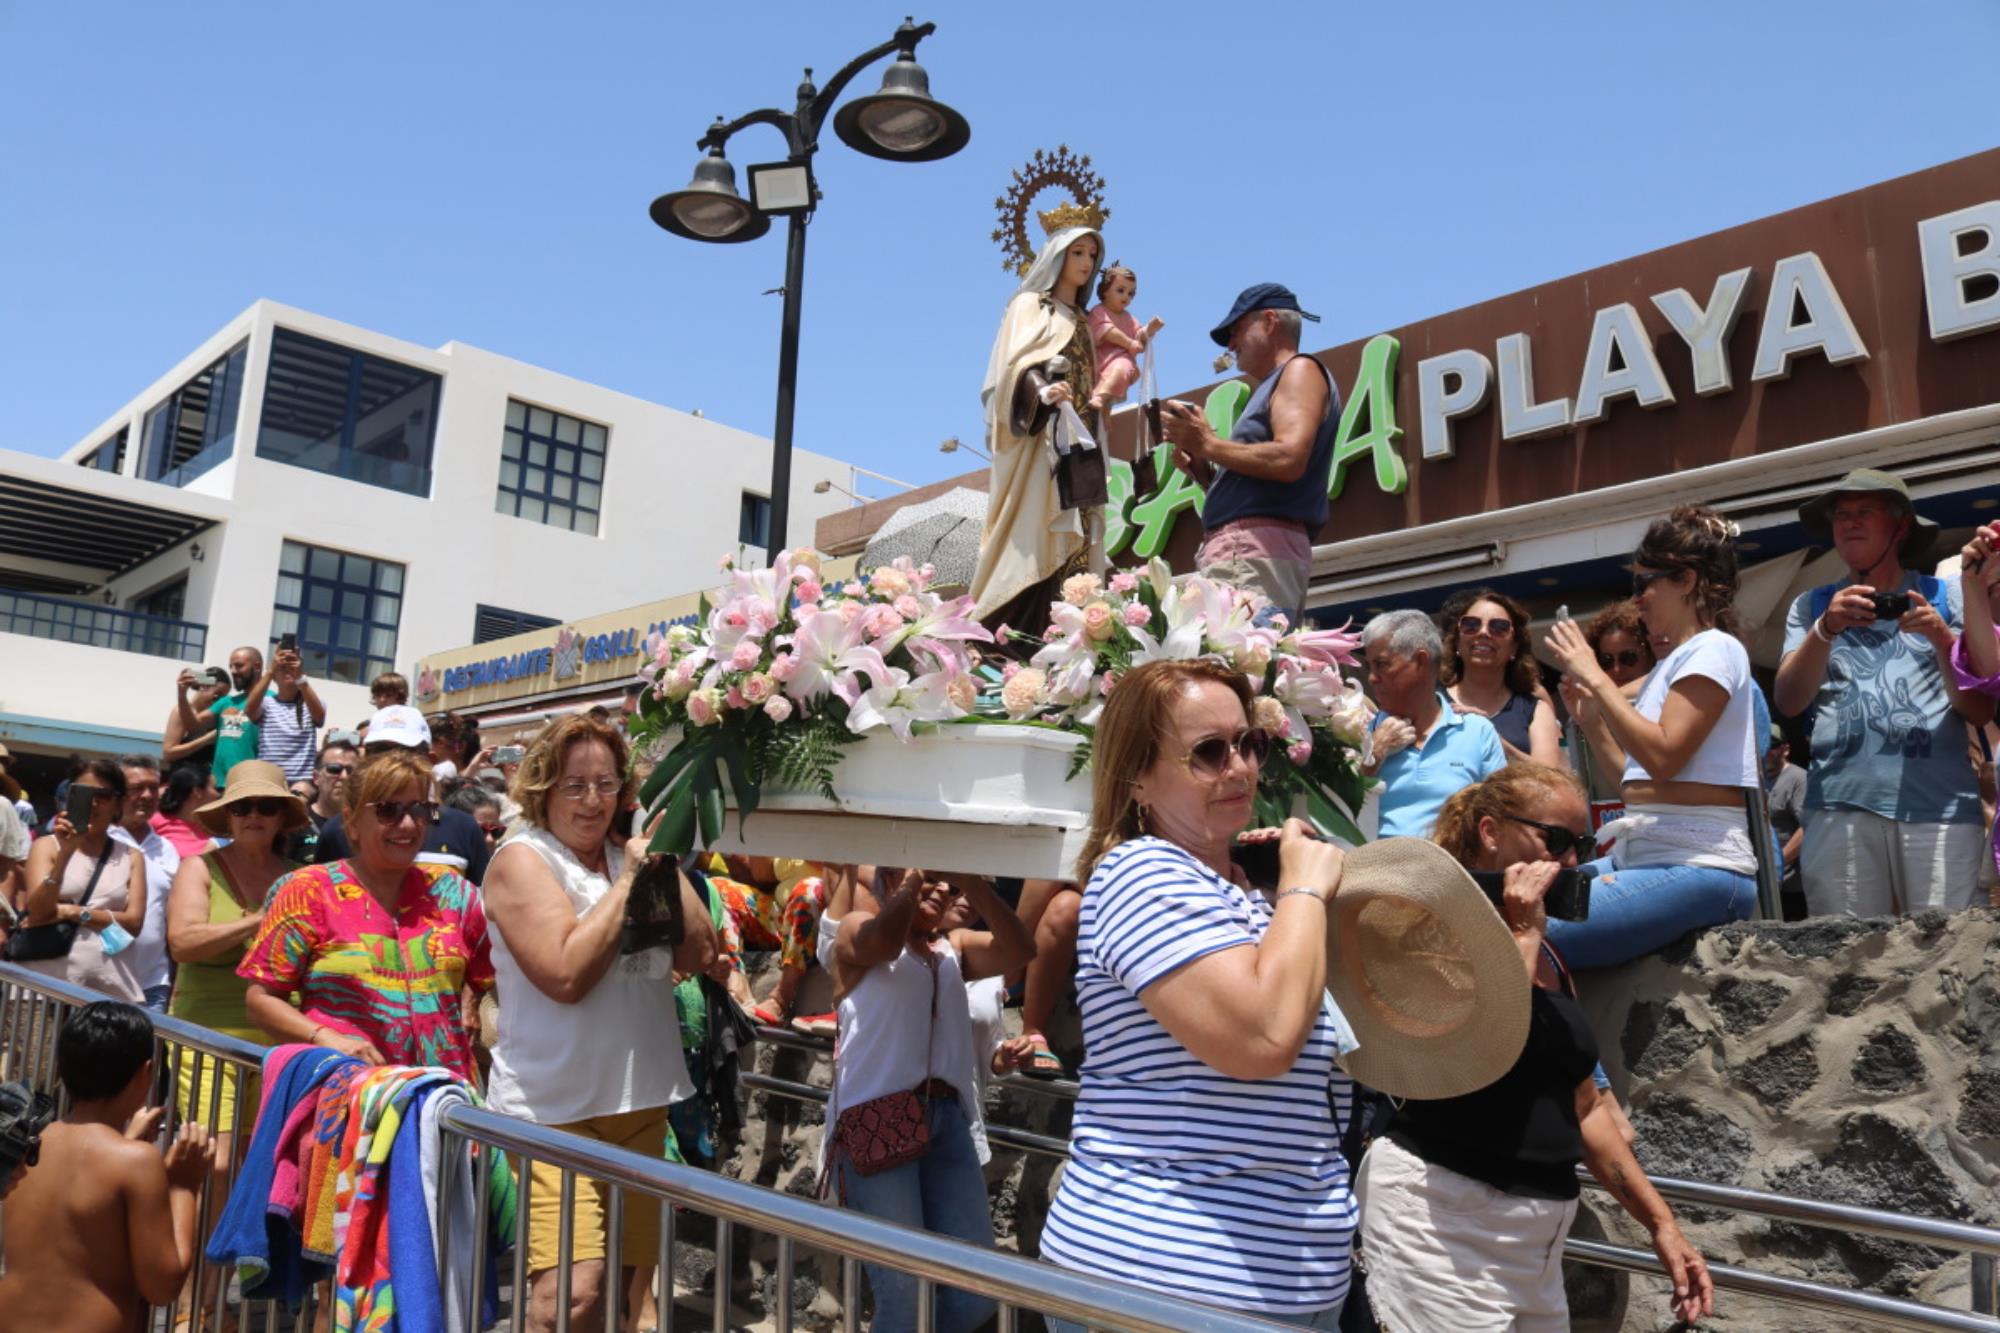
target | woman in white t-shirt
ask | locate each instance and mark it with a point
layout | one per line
(1682, 857)
(589, 1040)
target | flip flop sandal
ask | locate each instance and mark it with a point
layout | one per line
(1042, 1062)
(767, 1016)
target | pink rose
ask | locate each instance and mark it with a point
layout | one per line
(1098, 622)
(908, 607)
(784, 667)
(704, 707)
(880, 621)
(849, 610)
(810, 590)
(777, 708)
(745, 655)
(1125, 583)
(734, 698)
(759, 687)
(1136, 615)
(1008, 672)
(1052, 633)
(1299, 751)
(1110, 679)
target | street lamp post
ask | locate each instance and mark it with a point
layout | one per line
(900, 123)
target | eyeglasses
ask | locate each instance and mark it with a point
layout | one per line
(1625, 657)
(1644, 579)
(1499, 626)
(335, 770)
(576, 788)
(1210, 758)
(257, 805)
(392, 813)
(1560, 841)
(493, 830)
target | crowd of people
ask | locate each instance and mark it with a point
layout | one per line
(402, 896)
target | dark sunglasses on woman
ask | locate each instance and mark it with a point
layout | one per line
(1210, 758)
(1643, 579)
(1560, 841)
(1499, 626)
(1625, 657)
(257, 805)
(391, 812)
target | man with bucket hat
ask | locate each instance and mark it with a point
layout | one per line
(1893, 819)
(1266, 483)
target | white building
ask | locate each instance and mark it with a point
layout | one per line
(381, 500)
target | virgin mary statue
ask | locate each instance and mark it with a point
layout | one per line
(1030, 543)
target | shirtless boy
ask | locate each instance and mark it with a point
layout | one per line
(102, 1226)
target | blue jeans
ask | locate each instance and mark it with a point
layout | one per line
(1327, 1318)
(157, 997)
(1636, 911)
(944, 1191)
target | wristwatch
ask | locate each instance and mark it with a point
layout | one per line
(83, 917)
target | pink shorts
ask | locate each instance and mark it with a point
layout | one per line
(1256, 539)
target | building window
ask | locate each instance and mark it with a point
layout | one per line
(107, 457)
(196, 427)
(158, 614)
(344, 608)
(551, 469)
(753, 526)
(332, 409)
(497, 622)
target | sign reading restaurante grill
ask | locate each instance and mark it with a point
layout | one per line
(1856, 312)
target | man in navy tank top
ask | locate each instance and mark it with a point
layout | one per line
(1267, 482)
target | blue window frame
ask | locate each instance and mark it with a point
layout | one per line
(107, 457)
(551, 469)
(195, 428)
(753, 522)
(332, 409)
(344, 608)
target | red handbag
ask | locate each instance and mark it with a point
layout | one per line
(894, 1129)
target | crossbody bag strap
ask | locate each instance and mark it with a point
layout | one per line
(96, 871)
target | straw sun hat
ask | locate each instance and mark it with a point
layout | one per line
(252, 777)
(1426, 972)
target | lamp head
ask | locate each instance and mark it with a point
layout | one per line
(902, 122)
(710, 209)
(822, 486)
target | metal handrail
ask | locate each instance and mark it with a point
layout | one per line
(1101, 1303)
(72, 620)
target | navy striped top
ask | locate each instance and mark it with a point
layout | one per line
(1222, 1190)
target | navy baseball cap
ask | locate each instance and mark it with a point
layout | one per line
(1258, 296)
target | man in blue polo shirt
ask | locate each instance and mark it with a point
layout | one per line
(1424, 750)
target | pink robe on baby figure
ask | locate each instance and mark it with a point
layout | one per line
(1117, 368)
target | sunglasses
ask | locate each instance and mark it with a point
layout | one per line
(1560, 841)
(1646, 579)
(1210, 758)
(1499, 626)
(391, 813)
(1627, 657)
(257, 805)
(336, 770)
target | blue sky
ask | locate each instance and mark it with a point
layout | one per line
(481, 173)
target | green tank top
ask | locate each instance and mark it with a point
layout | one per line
(211, 993)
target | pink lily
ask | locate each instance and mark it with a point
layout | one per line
(832, 658)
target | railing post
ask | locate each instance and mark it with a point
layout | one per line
(1985, 1285)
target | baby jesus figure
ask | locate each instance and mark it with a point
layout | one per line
(1117, 336)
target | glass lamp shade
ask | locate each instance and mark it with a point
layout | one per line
(903, 122)
(710, 209)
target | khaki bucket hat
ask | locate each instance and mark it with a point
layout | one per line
(249, 779)
(1816, 514)
(1425, 971)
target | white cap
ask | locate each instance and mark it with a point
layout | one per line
(399, 724)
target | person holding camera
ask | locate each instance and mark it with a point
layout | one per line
(287, 713)
(189, 736)
(86, 901)
(1682, 857)
(1204, 1159)
(1466, 1201)
(372, 955)
(588, 1039)
(1893, 815)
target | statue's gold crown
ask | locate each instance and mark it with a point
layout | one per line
(1064, 216)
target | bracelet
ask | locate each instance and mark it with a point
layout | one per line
(1299, 889)
(1819, 630)
(314, 1039)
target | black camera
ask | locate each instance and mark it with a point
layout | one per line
(1890, 605)
(1568, 899)
(24, 1114)
(653, 909)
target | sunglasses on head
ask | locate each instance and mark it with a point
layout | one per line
(391, 812)
(1210, 757)
(1644, 579)
(1499, 626)
(1624, 657)
(257, 805)
(1560, 841)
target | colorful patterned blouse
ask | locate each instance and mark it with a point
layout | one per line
(393, 981)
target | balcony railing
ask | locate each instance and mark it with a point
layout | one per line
(70, 621)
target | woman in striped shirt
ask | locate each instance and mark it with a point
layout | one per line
(1204, 1159)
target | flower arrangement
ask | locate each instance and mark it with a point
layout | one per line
(780, 672)
(1316, 718)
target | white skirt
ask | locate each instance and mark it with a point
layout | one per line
(1445, 1251)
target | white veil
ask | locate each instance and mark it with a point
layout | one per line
(1048, 264)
